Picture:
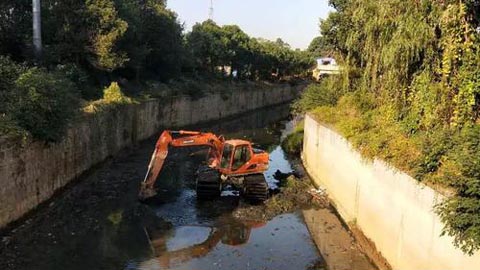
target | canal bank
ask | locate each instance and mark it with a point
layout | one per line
(391, 213)
(31, 171)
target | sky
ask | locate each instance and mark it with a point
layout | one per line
(294, 21)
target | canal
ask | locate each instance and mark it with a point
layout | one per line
(97, 222)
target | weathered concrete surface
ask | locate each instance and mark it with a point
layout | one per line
(31, 172)
(336, 245)
(392, 209)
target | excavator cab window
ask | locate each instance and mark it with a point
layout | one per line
(226, 155)
(241, 156)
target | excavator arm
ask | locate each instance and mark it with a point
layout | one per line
(177, 139)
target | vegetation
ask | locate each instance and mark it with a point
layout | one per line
(35, 100)
(212, 46)
(410, 94)
(130, 45)
(113, 94)
(293, 143)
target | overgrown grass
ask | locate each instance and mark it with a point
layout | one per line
(373, 134)
(443, 157)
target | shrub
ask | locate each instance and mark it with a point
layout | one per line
(461, 213)
(293, 143)
(325, 93)
(113, 94)
(9, 72)
(81, 79)
(43, 104)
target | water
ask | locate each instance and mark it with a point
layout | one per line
(282, 243)
(99, 224)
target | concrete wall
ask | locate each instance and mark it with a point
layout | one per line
(31, 172)
(392, 209)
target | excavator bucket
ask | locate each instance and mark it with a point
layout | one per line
(147, 189)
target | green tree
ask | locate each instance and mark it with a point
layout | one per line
(15, 28)
(317, 47)
(66, 32)
(412, 66)
(206, 46)
(238, 54)
(107, 29)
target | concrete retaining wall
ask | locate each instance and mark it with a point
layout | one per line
(392, 209)
(31, 172)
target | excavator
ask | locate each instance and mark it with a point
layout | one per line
(229, 162)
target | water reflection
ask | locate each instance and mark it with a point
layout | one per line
(182, 244)
(282, 243)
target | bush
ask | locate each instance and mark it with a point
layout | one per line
(81, 79)
(113, 94)
(9, 72)
(325, 93)
(293, 143)
(461, 213)
(43, 104)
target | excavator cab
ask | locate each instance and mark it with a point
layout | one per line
(239, 158)
(235, 156)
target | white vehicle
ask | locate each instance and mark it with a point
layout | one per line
(325, 66)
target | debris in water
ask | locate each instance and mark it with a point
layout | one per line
(294, 195)
(318, 194)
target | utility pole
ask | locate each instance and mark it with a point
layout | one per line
(37, 29)
(210, 13)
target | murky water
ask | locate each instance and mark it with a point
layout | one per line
(282, 243)
(99, 224)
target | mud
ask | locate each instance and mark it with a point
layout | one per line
(292, 195)
(337, 245)
(98, 223)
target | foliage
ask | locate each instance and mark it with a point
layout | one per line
(150, 25)
(462, 171)
(324, 93)
(109, 28)
(293, 143)
(9, 72)
(43, 103)
(14, 22)
(138, 39)
(89, 44)
(409, 94)
(113, 94)
(80, 78)
(212, 47)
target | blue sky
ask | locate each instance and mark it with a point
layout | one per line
(294, 21)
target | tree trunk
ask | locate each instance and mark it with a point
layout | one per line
(37, 29)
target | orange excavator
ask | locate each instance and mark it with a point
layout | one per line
(229, 162)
